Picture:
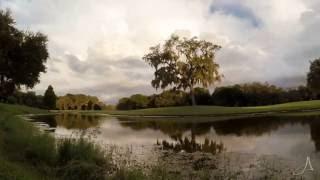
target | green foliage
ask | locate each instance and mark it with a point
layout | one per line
(257, 94)
(139, 101)
(81, 170)
(136, 101)
(12, 100)
(124, 104)
(79, 102)
(81, 160)
(22, 56)
(260, 94)
(313, 77)
(11, 170)
(202, 96)
(169, 98)
(241, 95)
(31, 154)
(129, 174)
(184, 63)
(165, 99)
(160, 172)
(228, 96)
(109, 107)
(26, 98)
(49, 98)
(79, 150)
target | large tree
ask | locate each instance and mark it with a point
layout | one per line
(49, 98)
(184, 64)
(313, 77)
(22, 56)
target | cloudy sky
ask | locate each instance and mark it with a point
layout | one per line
(96, 46)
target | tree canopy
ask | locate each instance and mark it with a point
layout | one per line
(79, 102)
(184, 63)
(50, 98)
(313, 77)
(22, 56)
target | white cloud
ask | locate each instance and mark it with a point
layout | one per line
(99, 44)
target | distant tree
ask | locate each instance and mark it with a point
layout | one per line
(229, 96)
(169, 98)
(12, 100)
(202, 96)
(96, 107)
(136, 101)
(301, 93)
(257, 93)
(183, 64)
(124, 104)
(90, 105)
(30, 98)
(50, 98)
(139, 101)
(22, 56)
(313, 77)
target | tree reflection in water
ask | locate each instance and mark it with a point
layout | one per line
(70, 120)
(77, 121)
(192, 146)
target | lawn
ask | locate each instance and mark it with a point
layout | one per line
(19, 110)
(221, 111)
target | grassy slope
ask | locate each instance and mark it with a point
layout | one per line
(17, 137)
(18, 109)
(219, 110)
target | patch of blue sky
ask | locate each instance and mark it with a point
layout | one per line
(234, 8)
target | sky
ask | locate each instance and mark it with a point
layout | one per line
(96, 47)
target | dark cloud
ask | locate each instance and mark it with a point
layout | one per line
(289, 82)
(235, 8)
(133, 68)
(130, 62)
(76, 65)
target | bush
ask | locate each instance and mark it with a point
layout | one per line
(129, 174)
(80, 150)
(81, 170)
(12, 100)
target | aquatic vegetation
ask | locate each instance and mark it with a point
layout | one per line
(191, 146)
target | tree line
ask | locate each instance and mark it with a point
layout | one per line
(30, 98)
(79, 102)
(248, 94)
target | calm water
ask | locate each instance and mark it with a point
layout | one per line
(292, 138)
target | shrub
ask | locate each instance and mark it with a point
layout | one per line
(80, 159)
(80, 150)
(81, 170)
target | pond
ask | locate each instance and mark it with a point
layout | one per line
(292, 138)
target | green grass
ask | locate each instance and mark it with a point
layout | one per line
(19, 109)
(219, 110)
(26, 153)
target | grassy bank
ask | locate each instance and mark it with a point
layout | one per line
(26, 153)
(221, 111)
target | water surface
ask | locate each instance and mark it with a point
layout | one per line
(287, 137)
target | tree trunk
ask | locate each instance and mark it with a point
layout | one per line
(193, 99)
